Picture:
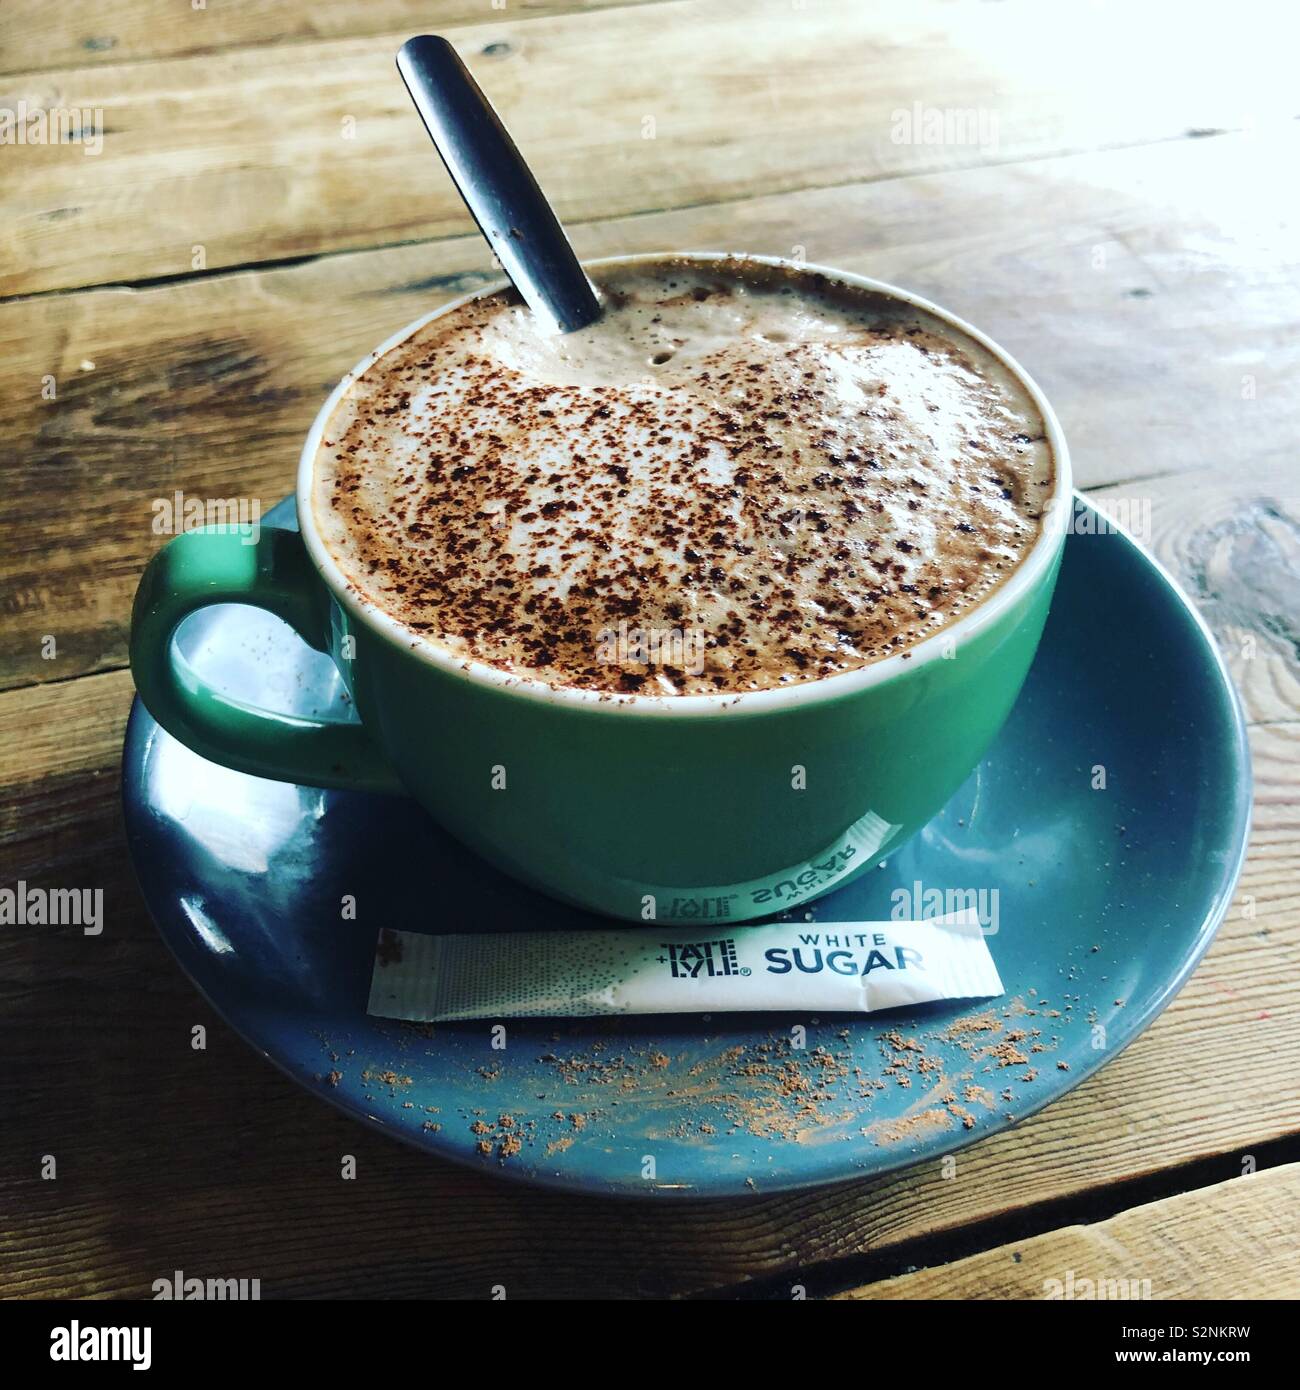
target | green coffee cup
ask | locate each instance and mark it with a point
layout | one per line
(646, 808)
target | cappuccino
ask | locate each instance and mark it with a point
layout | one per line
(742, 477)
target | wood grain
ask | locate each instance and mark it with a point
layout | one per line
(1232, 536)
(261, 1195)
(1239, 1235)
(1105, 274)
(39, 36)
(1152, 290)
(251, 1182)
(266, 153)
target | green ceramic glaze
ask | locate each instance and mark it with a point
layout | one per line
(271, 571)
(638, 807)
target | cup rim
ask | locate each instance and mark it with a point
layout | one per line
(1031, 570)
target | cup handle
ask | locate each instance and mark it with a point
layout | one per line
(220, 565)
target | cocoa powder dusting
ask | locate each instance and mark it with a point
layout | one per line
(769, 1090)
(787, 477)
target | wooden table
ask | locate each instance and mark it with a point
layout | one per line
(1119, 210)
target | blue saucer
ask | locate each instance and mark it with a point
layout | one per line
(1107, 895)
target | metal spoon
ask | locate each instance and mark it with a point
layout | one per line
(497, 186)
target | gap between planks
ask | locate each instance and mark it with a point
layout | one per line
(762, 99)
(861, 1271)
(1237, 1238)
(445, 16)
(720, 205)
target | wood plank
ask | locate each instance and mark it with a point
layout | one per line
(208, 385)
(1237, 1239)
(40, 37)
(1105, 274)
(60, 751)
(268, 153)
(65, 728)
(1231, 534)
(253, 1161)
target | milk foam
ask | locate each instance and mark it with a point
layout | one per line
(741, 477)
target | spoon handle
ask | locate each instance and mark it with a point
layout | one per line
(496, 184)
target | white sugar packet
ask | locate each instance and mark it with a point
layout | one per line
(849, 967)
